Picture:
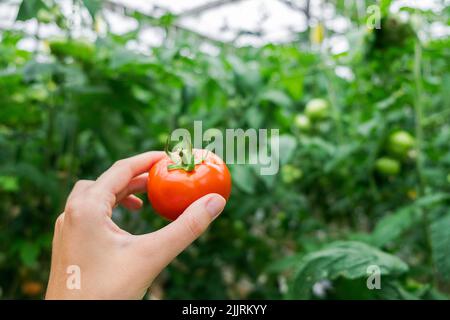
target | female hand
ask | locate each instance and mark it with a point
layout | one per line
(93, 258)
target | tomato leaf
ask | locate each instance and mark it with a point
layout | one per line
(93, 6)
(287, 145)
(277, 97)
(243, 178)
(347, 259)
(392, 226)
(440, 245)
(9, 183)
(29, 253)
(29, 8)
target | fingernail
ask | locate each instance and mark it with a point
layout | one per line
(215, 205)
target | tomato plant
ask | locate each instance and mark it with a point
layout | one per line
(364, 141)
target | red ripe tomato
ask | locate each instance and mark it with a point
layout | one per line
(171, 191)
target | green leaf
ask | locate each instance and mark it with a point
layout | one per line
(347, 259)
(93, 6)
(81, 50)
(34, 70)
(28, 9)
(342, 154)
(293, 84)
(268, 180)
(243, 177)
(9, 183)
(446, 91)
(277, 97)
(440, 245)
(29, 253)
(284, 264)
(392, 226)
(247, 75)
(318, 143)
(432, 199)
(287, 145)
(254, 117)
(385, 5)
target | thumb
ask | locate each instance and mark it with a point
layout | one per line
(179, 234)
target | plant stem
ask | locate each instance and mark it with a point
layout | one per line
(334, 103)
(418, 110)
(418, 104)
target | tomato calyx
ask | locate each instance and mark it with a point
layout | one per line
(183, 157)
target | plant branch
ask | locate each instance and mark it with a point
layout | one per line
(205, 7)
(155, 21)
(291, 4)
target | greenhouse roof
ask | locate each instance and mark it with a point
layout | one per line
(240, 22)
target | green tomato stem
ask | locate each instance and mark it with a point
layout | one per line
(185, 158)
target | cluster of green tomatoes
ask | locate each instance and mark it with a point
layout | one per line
(399, 146)
(316, 110)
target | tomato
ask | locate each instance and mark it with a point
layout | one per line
(401, 142)
(32, 288)
(173, 187)
(290, 173)
(387, 166)
(44, 16)
(302, 122)
(317, 109)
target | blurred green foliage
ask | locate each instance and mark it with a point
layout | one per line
(73, 107)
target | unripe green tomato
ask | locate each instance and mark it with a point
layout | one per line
(401, 142)
(317, 109)
(44, 16)
(290, 173)
(302, 122)
(387, 166)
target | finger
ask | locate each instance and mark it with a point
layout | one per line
(176, 236)
(136, 185)
(116, 178)
(78, 200)
(57, 236)
(79, 187)
(131, 202)
(56, 246)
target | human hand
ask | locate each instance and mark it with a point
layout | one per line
(113, 263)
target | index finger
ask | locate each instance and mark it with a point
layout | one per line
(119, 175)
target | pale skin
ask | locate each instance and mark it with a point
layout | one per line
(115, 264)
